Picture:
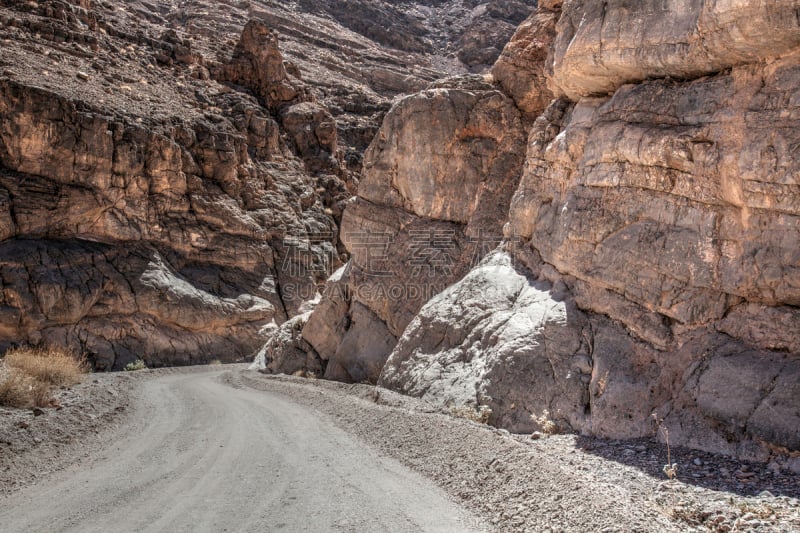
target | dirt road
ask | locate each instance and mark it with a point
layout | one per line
(201, 455)
(227, 449)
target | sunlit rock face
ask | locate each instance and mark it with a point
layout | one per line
(650, 261)
(172, 180)
(432, 201)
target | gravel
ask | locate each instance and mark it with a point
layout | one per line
(555, 482)
(515, 482)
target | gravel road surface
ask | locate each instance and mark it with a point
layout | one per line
(227, 449)
(202, 455)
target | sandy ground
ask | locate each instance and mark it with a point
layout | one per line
(224, 448)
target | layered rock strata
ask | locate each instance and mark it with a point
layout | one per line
(172, 233)
(172, 177)
(650, 262)
(432, 201)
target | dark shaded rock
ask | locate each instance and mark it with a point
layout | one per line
(363, 350)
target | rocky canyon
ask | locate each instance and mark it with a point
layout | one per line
(580, 216)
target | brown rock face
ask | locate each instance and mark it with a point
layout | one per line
(603, 45)
(699, 171)
(520, 69)
(191, 230)
(170, 188)
(672, 209)
(488, 31)
(312, 131)
(355, 56)
(407, 167)
(257, 64)
(659, 232)
(436, 184)
(172, 233)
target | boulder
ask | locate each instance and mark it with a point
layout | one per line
(446, 154)
(362, 353)
(287, 353)
(498, 340)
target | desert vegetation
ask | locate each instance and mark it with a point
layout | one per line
(29, 375)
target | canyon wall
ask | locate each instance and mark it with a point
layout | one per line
(129, 234)
(650, 260)
(604, 226)
(172, 179)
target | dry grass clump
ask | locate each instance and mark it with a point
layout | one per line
(20, 390)
(28, 375)
(15, 389)
(54, 366)
(479, 414)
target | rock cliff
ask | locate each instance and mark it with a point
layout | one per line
(649, 263)
(602, 226)
(432, 201)
(172, 177)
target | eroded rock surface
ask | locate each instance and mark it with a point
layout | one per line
(602, 45)
(653, 236)
(155, 241)
(521, 68)
(431, 203)
(648, 230)
(518, 348)
(161, 220)
(257, 63)
(172, 178)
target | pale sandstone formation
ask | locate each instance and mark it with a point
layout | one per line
(432, 209)
(286, 352)
(519, 347)
(442, 153)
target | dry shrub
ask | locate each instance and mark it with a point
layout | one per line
(479, 414)
(41, 394)
(52, 366)
(15, 389)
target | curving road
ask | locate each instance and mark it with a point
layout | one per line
(203, 455)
